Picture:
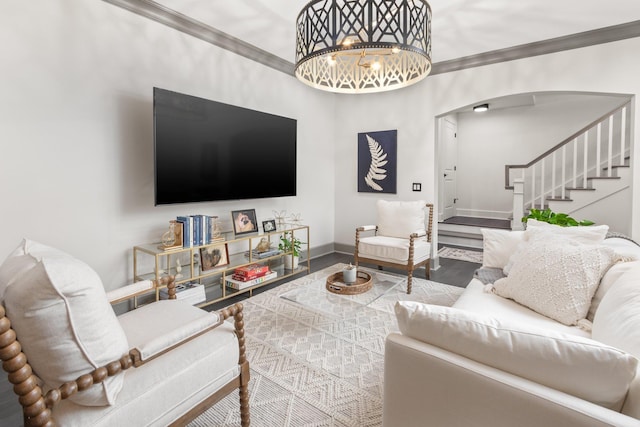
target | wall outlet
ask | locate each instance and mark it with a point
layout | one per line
(417, 186)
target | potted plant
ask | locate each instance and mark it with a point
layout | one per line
(290, 244)
(551, 217)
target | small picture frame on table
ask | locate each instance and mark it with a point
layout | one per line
(244, 221)
(269, 225)
(213, 256)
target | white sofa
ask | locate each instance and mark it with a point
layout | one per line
(490, 361)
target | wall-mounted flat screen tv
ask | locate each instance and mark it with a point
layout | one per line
(206, 150)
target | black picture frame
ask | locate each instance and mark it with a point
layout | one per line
(377, 162)
(244, 221)
(269, 225)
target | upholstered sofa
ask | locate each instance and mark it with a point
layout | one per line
(492, 360)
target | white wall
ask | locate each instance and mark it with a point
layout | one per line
(489, 141)
(76, 166)
(413, 110)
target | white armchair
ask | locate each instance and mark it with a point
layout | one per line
(402, 238)
(73, 362)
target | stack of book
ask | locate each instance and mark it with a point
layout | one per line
(196, 230)
(193, 293)
(264, 254)
(250, 275)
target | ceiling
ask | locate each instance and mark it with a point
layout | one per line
(460, 28)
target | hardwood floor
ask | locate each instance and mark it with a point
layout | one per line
(451, 272)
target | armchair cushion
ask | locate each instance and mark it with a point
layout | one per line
(59, 310)
(177, 320)
(575, 365)
(400, 219)
(393, 249)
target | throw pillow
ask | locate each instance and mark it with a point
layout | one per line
(556, 277)
(575, 365)
(617, 320)
(400, 219)
(589, 234)
(608, 280)
(498, 246)
(59, 310)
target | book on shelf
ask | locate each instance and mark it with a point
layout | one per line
(192, 293)
(243, 284)
(251, 271)
(264, 254)
(187, 230)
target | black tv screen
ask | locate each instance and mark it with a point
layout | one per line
(206, 150)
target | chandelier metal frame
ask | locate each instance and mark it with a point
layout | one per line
(363, 46)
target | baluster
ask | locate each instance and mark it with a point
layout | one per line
(533, 186)
(598, 149)
(610, 147)
(623, 134)
(542, 187)
(575, 163)
(553, 174)
(563, 181)
(584, 161)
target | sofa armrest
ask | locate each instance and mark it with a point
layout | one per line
(424, 382)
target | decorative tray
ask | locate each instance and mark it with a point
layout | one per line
(336, 284)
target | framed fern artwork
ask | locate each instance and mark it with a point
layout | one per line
(377, 161)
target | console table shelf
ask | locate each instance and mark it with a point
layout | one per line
(151, 262)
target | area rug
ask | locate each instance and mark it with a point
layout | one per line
(461, 254)
(313, 368)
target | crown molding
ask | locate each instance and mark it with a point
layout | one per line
(183, 23)
(188, 25)
(558, 44)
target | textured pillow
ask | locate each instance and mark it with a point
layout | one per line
(556, 277)
(65, 325)
(575, 365)
(498, 246)
(400, 219)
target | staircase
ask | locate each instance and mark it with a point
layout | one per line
(584, 169)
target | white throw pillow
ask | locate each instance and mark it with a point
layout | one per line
(556, 277)
(590, 234)
(400, 219)
(575, 365)
(608, 280)
(59, 310)
(498, 246)
(617, 320)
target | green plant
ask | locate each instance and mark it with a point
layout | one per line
(561, 219)
(290, 243)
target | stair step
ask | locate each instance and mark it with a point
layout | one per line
(579, 189)
(603, 177)
(615, 167)
(559, 199)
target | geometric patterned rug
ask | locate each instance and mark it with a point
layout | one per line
(461, 254)
(310, 367)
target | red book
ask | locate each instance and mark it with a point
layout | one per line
(247, 278)
(252, 271)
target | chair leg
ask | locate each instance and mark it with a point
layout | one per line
(380, 267)
(409, 280)
(427, 270)
(245, 419)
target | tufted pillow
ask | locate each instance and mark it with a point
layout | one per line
(59, 310)
(400, 219)
(575, 365)
(556, 277)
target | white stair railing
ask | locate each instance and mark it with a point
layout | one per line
(568, 165)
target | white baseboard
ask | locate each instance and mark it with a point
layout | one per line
(478, 213)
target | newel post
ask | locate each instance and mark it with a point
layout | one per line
(518, 204)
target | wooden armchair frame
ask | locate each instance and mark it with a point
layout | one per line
(36, 406)
(410, 266)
